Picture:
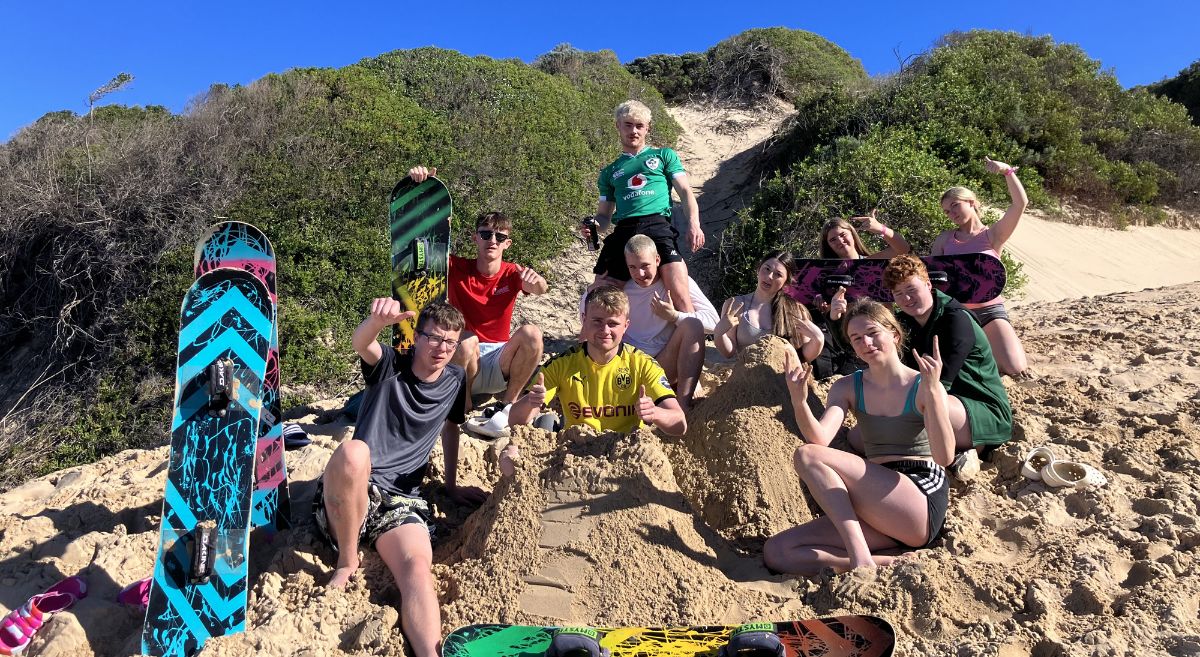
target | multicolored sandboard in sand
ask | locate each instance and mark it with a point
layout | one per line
(243, 246)
(969, 278)
(419, 225)
(200, 571)
(840, 636)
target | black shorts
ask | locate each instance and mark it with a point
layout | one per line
(988, 314)
(385, 512)
(931, 479)
(655, 226)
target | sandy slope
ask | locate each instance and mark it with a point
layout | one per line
(647, 529)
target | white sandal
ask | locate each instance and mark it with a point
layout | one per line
(1069, 474)
(1035, 460)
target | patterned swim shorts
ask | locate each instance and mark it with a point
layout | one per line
(385, 512)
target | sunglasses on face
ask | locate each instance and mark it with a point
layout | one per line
(487, 235)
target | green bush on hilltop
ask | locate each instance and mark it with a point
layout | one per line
(1042, 106)
(1184, 89)
(97, 249)
(755, 64)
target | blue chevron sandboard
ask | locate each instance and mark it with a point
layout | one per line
(243, 246)
(198, 594)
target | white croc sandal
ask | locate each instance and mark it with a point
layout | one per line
(1069, 474)
(1035, 460)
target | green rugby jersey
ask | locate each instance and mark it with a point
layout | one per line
(640, 184)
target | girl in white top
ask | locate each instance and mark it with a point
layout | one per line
(768, 309)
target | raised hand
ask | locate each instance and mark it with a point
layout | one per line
(996, 166)
(796, 372)
(386, 310)
(646, 409)
(664, 307)
(420, 173)
(530, 278)
(869, 223)
(838, 305)
(733, 314)
(931, 373)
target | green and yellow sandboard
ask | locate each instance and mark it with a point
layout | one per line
(419, 223)
(839, 636)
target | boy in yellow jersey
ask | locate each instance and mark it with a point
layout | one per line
(601, 382)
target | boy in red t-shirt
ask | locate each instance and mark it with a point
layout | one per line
(485, 290)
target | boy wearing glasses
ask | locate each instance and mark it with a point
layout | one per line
(370, 491)
(485, 289)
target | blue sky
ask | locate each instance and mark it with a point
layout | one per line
(54, 53)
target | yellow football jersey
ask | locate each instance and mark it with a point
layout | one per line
(604, 396)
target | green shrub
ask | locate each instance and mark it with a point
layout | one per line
(1184, 89)
(755, 64)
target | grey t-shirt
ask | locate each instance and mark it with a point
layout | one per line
(402, 417)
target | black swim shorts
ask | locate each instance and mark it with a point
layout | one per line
(931, 479)
(655, 226)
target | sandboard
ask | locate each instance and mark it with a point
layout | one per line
(243, 246)
(969, 278)
(840, 636)
(199, 584)
(419, 225)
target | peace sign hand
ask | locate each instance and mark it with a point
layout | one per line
(734, 312)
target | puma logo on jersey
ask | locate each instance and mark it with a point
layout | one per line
(503, 289)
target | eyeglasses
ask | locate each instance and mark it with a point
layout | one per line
(436, 341)
(486, 235)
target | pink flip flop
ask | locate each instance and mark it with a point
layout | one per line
(19, 626)
(137, 594)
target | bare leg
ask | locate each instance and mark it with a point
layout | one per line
(467, 356)
(855, 493)
(345, 492)
(675, 279)
(1006, 347)
(519, 359)
(806, 549)
(409, 556)
(958, 420)
(682, 359)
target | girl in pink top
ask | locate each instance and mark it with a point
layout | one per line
(971, 236)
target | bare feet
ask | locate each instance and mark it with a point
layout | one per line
(341, 576)
(507, 457)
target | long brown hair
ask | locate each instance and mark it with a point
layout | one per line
(837, 222)
(786, 312)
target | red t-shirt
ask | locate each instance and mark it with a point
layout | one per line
(485, 302)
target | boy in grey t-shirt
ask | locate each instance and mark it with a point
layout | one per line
(369, 492)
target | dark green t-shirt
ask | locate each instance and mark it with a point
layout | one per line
(640, 184)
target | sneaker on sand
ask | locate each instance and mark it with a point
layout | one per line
(492, 423)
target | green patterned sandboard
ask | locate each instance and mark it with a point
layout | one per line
(839, 636)
(419, 222)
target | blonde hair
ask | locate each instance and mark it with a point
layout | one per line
(640, 244)
(608, 298)
(837, 222)
(634, 109)
(876, 312)
(961, 194)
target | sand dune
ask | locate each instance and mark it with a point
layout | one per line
(645, 529)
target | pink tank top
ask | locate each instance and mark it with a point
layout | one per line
(981, 243)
